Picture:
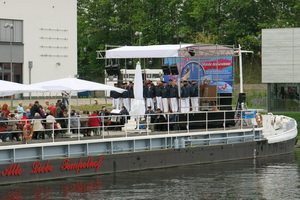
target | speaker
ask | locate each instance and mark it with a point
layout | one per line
(174, 70)
(108, 69)
(115, 69)
(242, 97)
(225, 101)
(166, 69)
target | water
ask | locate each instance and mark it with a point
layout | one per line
(269, 178)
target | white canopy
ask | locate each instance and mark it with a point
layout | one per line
(153, 51)
(74, 85)
(8, 88)
(169, 51)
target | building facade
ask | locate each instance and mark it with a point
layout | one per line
(281, 68)
(38, 39)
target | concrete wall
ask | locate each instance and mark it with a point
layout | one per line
(280, 55)
(49, 36)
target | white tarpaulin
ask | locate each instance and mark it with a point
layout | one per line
(74, 85)
(138, 107)
(8, 88)
(153, 51)
(169, 51)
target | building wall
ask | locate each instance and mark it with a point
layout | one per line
(49, 37)
(280, 55)
(281, 68)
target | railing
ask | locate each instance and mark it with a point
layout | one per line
(113, 126)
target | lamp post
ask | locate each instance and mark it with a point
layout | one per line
(140, 36)
(30, 65)
(10, 26)
(137, 33)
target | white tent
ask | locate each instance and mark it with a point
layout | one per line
(8, 88)
(169, 51)
(153, 51)
(72, 86)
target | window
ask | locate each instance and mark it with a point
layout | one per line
(17, 31)
(284, 97)
(5, 72)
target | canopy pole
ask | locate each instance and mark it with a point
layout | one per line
(69, 113)
(241, 69)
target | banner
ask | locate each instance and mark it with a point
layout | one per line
(207, 70)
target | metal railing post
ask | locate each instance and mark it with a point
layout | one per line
(53, 131)
(147, 123)
(224, 124)
(78, 129)
(188, 123)
(103, 128)
(206, 121)
(168, 116)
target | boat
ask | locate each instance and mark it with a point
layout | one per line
(196, 137)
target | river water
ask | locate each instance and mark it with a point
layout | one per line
(267, 178)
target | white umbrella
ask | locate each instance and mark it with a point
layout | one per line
(72, 86)
(138, 107)
(8, 88)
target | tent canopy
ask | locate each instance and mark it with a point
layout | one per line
(169, 51)
(74, 85)
(8, 88)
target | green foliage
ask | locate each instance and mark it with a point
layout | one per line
(232, 22)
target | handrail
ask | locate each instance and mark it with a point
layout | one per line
(108, 127)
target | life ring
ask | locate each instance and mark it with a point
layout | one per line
(25, 129)
(259, 119)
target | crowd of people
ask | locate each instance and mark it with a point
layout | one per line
(162, 95)
(48, 117)
(160, 98)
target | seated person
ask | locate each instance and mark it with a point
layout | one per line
(84, 122)
(74, 121)
(12, 126)
(24, 119)
(172, 122)
(94, 122)
(152, 116)
(3, 127)
(51, 122)
(38, 128)
(104, 111)
(125, 115)
(159, 119)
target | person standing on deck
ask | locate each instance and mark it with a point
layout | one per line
(184, 97)
(65, 97)
(173, 88)
(158, 95)
(165, 94)
(35, 108)
(115, 96)
(125, 96)
(131, 95)
(149, 94)
(194, 93)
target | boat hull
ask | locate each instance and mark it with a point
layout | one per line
(112, 163)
